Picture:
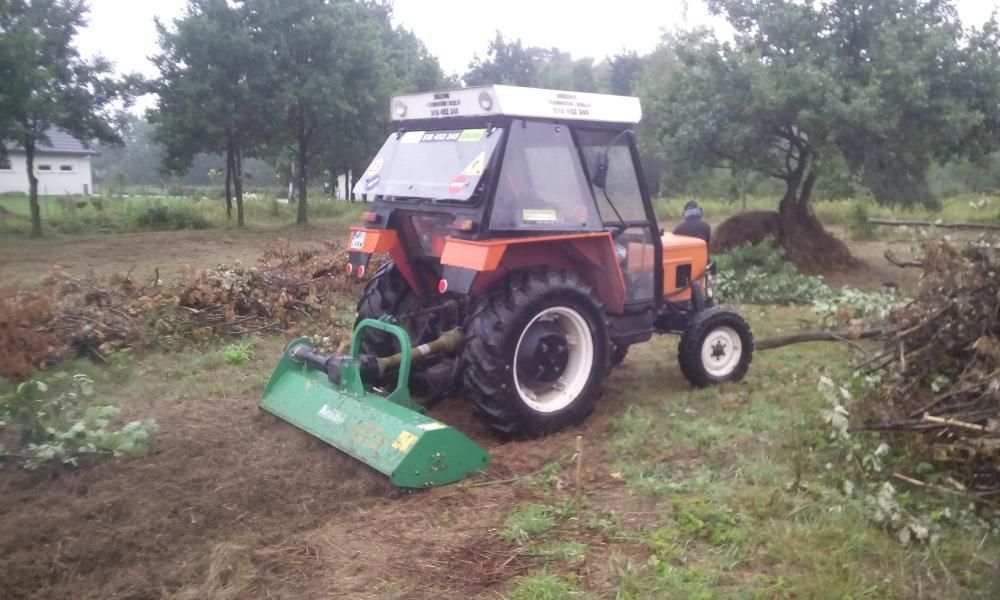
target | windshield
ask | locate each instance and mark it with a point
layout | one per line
(444, 164)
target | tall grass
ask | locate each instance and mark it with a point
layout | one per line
(971, 208)
(96, 214)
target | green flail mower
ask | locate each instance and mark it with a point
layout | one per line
(332, 398)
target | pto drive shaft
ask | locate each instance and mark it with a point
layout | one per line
(373, 368)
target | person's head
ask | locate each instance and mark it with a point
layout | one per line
(692, 210)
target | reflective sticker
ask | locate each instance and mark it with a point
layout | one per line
(404, 442)
(441, 136)
(476, 167)
(375, 167)
(373, 182)
(357, 240)
(472, 135)
(432, 426)
(458, 184)
(411, 137)
(539, 215)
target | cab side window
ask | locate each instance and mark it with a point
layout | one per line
(622, 185)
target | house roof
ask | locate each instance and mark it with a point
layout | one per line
(60, 142)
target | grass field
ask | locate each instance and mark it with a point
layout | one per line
(730, 492)
(723, 493)
(100, 215)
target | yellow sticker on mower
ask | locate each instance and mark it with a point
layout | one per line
(404, 442)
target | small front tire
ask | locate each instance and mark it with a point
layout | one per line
(716, 347)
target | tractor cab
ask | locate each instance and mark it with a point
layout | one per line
(497, 162)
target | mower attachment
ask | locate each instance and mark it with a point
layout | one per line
(327, 397)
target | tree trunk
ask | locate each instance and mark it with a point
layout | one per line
(303, 180)
(229, 181)
(806, 242)
(36, 212)
(238, 179)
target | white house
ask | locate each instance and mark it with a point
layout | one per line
(62, 167)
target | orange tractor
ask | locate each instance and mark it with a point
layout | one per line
(520, 231)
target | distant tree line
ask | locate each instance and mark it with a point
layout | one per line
(806, 99)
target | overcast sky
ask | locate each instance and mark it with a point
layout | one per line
(456, 30)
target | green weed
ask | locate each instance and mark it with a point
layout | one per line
(237, 354)
(544, 586)
(527, 521)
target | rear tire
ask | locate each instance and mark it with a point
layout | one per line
(386, 293)
(536, 353)
(716, 347)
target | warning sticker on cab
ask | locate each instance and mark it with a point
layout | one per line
(404, 442)
(476, 167)
(357, 240)
(472, 135)
(539, 215)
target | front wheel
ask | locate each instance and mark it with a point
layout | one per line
(536, 353)
(716, 347)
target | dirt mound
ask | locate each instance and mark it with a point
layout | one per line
(227, 481)
(743, 229)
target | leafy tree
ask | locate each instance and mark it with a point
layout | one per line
(206, 101)
(808, 85)
(625, 71)
(328, 77)
(47, 84)
(506, 62)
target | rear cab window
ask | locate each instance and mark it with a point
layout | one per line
(542, 185)
(438, 165)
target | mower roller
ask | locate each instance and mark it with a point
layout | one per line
(331, 398)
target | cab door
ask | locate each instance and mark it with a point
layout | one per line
(623, 204)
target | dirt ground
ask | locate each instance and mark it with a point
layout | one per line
(236, 504)
(24, 261)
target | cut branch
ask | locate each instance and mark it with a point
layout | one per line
(818, 336)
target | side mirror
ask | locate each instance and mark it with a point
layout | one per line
(600, 178)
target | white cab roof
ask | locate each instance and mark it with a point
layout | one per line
(516, 102)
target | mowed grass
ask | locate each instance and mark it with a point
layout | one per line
(726, 492)
(738, 485)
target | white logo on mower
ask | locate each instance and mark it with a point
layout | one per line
(332, 415)
(357, 240)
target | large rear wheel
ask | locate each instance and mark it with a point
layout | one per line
(536, 353)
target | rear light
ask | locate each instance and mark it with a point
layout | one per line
(361, 271)
(464, 225)
(370, 217)
(442, 286)
(349, 268)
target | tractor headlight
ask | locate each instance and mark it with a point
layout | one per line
(399, 109)
(485, 100)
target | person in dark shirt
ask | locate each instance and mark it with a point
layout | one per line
(693, 224)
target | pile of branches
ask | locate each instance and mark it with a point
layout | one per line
(942, 364)
(70, 316)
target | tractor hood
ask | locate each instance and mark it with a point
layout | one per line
(442, 164)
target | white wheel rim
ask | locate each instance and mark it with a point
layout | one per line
(580, 348)
(721, 352)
